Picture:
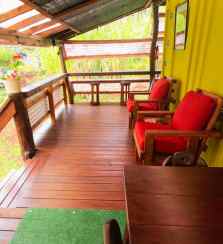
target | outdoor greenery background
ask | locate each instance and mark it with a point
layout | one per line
(43, 62)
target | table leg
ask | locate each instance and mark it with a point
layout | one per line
(92, 94)
(95, 94)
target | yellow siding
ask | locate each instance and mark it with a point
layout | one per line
(200, 65)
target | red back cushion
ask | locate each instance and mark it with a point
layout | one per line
(194, 111)
(160, 89)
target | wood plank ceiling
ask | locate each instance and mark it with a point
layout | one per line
(35, 22)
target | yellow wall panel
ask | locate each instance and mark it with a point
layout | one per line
(200, 65)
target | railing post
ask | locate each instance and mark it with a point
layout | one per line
(64, 68)
(51, 104)
(64, 92)
(153, 52)
(23, 126)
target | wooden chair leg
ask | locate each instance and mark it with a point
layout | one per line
(130, 120)
(149, 149)
(134, 115)
(147, 159)
(137, 156)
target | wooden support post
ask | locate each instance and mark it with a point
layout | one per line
(95, 92)
(64, 68)
(153, 52)
(64, 93)
(51, 104)
(125, 87)
(23, 126)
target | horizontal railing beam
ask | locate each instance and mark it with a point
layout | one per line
(36, 87)
(101, 92)
(110, 81)
(113, 73)
(7, 112)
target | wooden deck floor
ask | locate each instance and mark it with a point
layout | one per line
(79, 164)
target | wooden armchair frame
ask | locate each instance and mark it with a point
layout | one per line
(162, 104)
(196, 139)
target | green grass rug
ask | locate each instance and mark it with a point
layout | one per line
(65, 226)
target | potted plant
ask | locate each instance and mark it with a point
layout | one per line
(10, 72)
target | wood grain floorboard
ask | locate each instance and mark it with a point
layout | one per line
(86, 151)
(79, 164)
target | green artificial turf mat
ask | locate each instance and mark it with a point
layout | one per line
(65, 226)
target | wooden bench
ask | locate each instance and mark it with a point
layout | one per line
(125, 84)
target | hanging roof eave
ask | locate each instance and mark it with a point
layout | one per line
(60, 20)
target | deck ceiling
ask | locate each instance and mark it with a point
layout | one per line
(61, 19)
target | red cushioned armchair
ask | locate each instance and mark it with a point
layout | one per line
(187, 129)
(158, 99)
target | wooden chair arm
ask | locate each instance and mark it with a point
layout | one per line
(182, 133)
(194, 137)
(140, 101)
(148, 101)
(157, 114)
(132, 94)
(139, 92)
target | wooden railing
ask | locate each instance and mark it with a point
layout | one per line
(31, 106)
(125, 79)
(43, 97)
(7, 112)
(39, 101)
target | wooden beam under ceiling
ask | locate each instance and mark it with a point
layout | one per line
(148, 3)
(47, 14)
(26, 22)
(15, 38)
(49, 32)
(39, 27)
(14, 12)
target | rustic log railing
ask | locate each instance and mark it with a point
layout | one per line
(31, 106)
(125, 83)
(7, 112)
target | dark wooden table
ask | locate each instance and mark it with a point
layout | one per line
(168, 205)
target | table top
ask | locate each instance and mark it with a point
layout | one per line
(172, 205)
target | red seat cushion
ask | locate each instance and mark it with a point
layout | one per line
(170, 144)
(193, 112)
(142, 106)
(160, 89)
(148, 106)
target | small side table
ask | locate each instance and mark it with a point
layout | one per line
(95, 93)
(125, 87)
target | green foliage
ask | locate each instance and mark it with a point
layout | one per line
(131, 27)
(50, 63)
(10, 155)
(135, 26)
(5, 57)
